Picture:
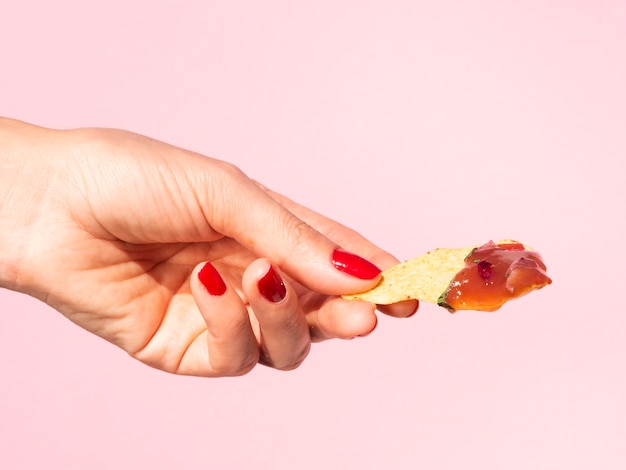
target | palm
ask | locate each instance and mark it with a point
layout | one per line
(139, 296)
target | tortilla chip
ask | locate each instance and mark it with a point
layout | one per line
(424, 278)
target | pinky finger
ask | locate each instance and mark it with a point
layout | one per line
(343, 319)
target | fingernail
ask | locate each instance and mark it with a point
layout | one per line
(414, 311)
(272, 287)
(211, 280)
(354, 265)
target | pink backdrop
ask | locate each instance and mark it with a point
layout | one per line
(420, 124)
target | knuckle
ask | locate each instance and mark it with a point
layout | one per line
(234, 368)
(229, 171)
(243, 369)
(296, 361)
(299, 234)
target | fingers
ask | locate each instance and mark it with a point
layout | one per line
(404, 309)
(351, 240)
(284, 331)
(232, 346)
(237, 207)
(343, 319)
(338, 233)
(347, 319)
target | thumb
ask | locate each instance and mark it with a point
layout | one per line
(240, 209)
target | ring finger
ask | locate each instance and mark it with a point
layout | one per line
(232, 348)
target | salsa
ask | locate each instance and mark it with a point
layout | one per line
(494, 274)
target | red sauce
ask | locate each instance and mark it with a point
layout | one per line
(494, 274)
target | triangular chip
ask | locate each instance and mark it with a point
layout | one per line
(453, 279)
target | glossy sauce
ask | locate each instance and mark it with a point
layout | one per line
(494, 274)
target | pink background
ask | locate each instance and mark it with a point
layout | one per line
(420, 124)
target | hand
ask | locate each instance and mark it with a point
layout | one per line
(179, 259)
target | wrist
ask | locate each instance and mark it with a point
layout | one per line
(22, 182)
(10, 243)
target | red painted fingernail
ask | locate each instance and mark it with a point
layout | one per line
(354, 265)
(211, 280)
(414, 311)
(272, 287)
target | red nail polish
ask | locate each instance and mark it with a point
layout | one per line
(354, 265)
(211, 280)
(272, 287)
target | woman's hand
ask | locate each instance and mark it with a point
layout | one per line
(179, 259)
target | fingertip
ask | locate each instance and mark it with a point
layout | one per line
(284, 331)
(354, 265)
(210, 279)
(271, 286)
(362, 320)
(231, 347)
(346, 319)
(404, 309)
(261, 277)
(367, 328)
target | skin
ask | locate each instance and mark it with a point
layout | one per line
(111, 228)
